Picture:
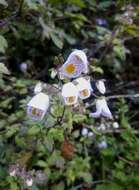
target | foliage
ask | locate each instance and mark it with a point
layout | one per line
(36, 33)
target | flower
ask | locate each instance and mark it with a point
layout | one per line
(102, 109)
(90, 134)
(13, 170)
(101, 86)
(23, 67)
(53, 73)
(38, 106)
(103, 144)
(75, 64)
(84, 87)
(101, 22)
(38, 88)
(84, 132)
(70, 93)
(115, 125)
(29, 181)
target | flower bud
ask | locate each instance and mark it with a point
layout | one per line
(101, 86)
(23, 67)
(38, 88)
(115, 125)
(84, 132)
(29, 181)
(102, 145)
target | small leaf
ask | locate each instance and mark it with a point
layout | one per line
(3, 69)
(41, 163)
(3, 44)
(57, 41)
(34, 130)
(59, 186)
(67, 150)
(3, 2)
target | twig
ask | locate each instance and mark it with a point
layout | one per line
(125, 160)
(116, 97)
(109, 131)
(123, 96)
(19, 12)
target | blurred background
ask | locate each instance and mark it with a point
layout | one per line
(35, 37)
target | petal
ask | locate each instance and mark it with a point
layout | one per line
(106, 112)
(101, 86)
(95, 114)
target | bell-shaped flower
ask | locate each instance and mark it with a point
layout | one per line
(70, 93)
(75, 64)
(101, 86)
(38, 106)
(102, 109)
(84, 87)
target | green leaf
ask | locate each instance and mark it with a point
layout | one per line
(3, 2)
(3, 44)
(57, 41)
(79, 118)
(32, 4)
(112, 186)
(34, 130)
(59, 186)
(3, 69)
(41, 163)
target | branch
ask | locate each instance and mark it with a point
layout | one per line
(123, 96)
(116, 97)
(109, 131)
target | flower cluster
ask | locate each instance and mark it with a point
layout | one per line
(77, 88)
(16, 170)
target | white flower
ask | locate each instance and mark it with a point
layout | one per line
(13, 170)
(102, 127)
(75, 64)
(12, 173)
(84, 88)
(29, 181)
(70, 93)
(38, 88)
(23, 67)
(90, 134)
(101, 86)
(102, 145)
(116, 125)
(84, 132)
(38, 106)
(101, 109)
(53, 73)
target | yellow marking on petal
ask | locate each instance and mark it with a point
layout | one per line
(34, 111)
(70, 68)
(70, 99)
(84, 93)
